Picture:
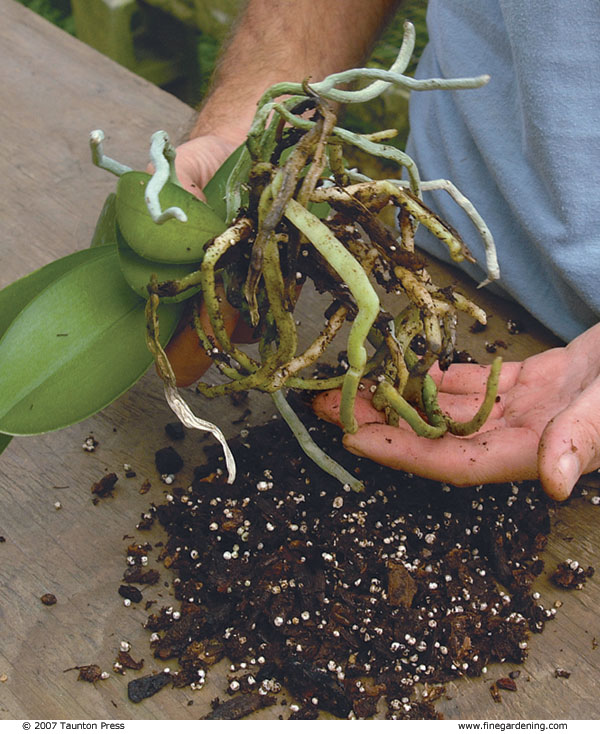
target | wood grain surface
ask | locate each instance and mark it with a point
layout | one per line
(54, 91)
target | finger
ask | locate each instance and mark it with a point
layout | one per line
(185, 180)
(243, 333)
(185, 353)
(506, 454)
(327, 406)
(188, 183)
(460, 408)
(570, 444)
(472, 378)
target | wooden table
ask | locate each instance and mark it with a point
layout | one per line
(55, 90)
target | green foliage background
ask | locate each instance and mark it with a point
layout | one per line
(56, 11)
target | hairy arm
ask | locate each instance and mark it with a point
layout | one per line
(274, 41)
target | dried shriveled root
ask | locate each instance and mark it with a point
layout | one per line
(173, 398)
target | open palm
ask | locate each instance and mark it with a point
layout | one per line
(545, 423)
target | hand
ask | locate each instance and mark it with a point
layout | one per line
(185, 352)
(196, 162)
(545, 425)
(199, 159)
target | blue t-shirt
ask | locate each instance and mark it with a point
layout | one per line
(525, 148)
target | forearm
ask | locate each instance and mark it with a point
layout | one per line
(286, 40)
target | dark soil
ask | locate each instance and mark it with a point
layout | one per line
(349, 600)
(570, 575)
(88, 673)
(105, 486)
(142, 688)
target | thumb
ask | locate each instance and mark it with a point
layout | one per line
(570, 444)
(198, 160)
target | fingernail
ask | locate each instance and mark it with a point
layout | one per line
(568, 466)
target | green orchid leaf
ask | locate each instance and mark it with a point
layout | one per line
(17, 295)
(105, 231)
(170, 242)
(138, 272)
(215, 188)
(4, 441)
(320, 209)
(76, 347)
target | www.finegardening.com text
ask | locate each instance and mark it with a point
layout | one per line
(514, 725)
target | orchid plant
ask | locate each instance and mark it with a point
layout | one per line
(282, 209)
